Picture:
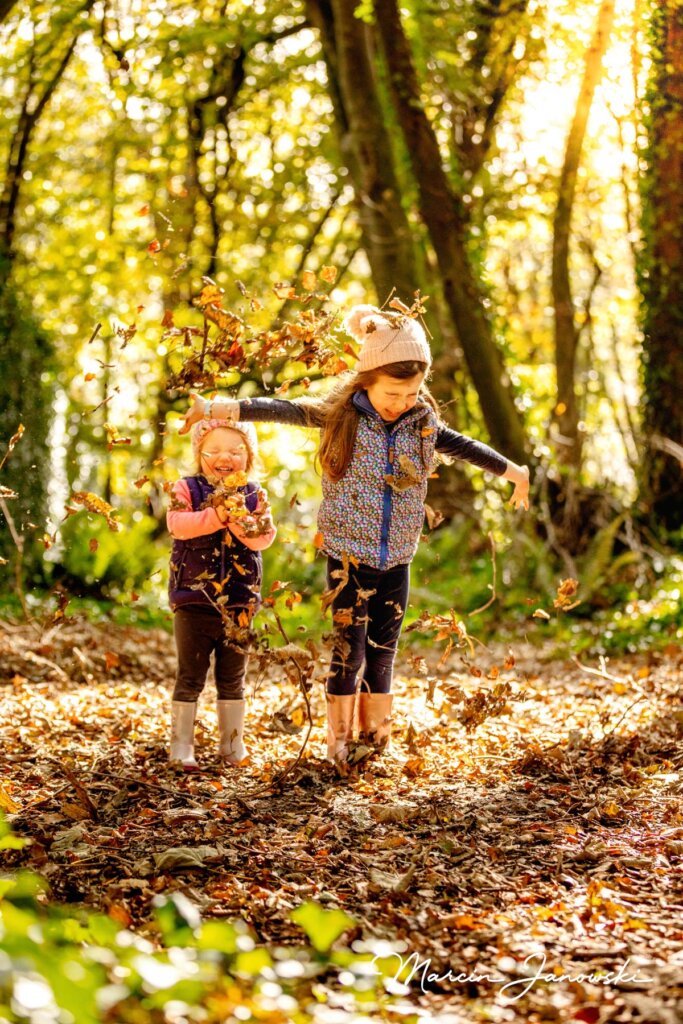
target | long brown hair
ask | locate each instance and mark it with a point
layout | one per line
(337, 416)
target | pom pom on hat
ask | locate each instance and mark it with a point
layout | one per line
(204, 427)
(360, 318)
(386, 339)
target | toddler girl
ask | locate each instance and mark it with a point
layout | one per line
(220, 521)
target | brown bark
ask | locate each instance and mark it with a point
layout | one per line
(443, 214)
(35, 101)
(6, 7)
(662, 275)
(366, 146)
(566, 334)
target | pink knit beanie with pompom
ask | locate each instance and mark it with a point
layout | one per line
(204, 427)
(386, 338)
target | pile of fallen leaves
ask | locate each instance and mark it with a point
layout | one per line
(533, 863)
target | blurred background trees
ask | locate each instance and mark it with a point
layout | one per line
(517, 161)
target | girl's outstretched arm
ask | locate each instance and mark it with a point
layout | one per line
(256, 410)
(459, 446)
(519, 476)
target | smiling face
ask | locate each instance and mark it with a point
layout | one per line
(391, 397)
(224, 451)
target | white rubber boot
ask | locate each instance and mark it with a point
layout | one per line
(231, 730)
(183, 714)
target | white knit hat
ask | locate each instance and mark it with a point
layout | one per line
(386, 338)
(204, 427)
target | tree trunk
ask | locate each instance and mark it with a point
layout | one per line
(661, 273)
(442, 213)
(6, 9)
(566, 334)
(366, 146)
(25, 352)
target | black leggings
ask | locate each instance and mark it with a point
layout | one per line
(199, 631)
(368, 614)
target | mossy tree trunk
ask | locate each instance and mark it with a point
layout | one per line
(443, 214)
(661, 274)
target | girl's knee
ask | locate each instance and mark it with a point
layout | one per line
(187, 690)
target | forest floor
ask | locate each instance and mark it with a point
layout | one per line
(541, 848)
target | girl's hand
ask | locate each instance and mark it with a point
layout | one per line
(262, 505)
(194, 414)
(520, 495)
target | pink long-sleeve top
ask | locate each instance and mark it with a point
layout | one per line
(185, 524)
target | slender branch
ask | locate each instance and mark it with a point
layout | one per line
(494, 595)
(278, 780)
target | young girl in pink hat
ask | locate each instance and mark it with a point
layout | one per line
(380, 432)
(220, 522)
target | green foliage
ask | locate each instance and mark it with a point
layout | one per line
(597, 562)
(110, 561)
(87, 965)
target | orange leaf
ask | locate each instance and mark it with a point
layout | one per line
(328, 275)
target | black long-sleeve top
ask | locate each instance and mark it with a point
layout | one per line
(448, 442)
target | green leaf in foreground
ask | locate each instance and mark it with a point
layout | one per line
(322, 927)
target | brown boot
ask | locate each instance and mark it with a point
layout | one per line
(374, 719)
(341, 712)
(182, 735)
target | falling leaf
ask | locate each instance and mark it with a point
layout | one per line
(565, 592)
(284, 291)
(154, 246)
(309, 280)
(328, 275)
(98, 505)
(123, 331)
(410, 477)
(113, 436)
(541, 614)
(433, 516)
